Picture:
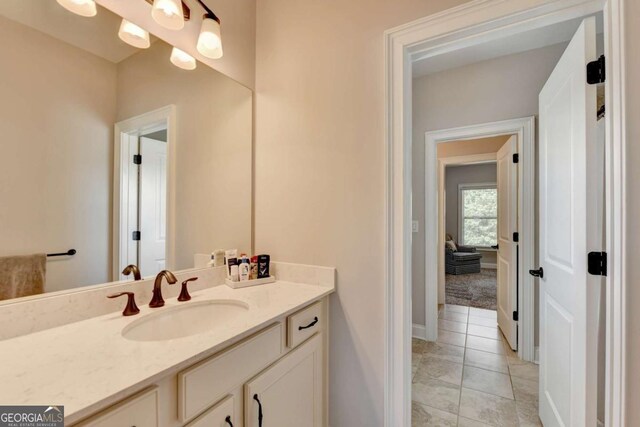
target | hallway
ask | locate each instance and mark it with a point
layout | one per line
(470, 377)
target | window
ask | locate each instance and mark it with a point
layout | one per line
(478, 215)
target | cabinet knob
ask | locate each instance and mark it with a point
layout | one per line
(228, 420)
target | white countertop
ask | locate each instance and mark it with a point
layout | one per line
(88, 365)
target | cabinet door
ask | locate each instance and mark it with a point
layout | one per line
(289, 393)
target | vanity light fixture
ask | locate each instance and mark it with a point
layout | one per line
(209, 41)
(182, 59)
(132, 34)
(168, 13)
(80, 7)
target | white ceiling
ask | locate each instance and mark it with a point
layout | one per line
(98, 35)
(534, 39)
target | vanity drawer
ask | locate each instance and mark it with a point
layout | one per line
(303, 324)
(217, 416)
(209, 381)
(140, 410)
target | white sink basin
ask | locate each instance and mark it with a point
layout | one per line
(185, 320)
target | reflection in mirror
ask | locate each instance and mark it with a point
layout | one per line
(112, 151)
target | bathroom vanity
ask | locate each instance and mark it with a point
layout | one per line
(265, 352)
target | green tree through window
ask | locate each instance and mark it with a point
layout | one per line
(479, 217)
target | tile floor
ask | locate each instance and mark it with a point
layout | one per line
(470, 377)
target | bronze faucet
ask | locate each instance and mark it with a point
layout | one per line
(157, 300)
(132, 268)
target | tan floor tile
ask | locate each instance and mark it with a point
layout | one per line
(456, 317)
(484, 331)
(452, 353)
(483, 321)
(439, 369)
(456, 308)
(452, 338)
(437, 394)
(487, 381)
(521, 369)
(485, 344)
(525, 390)
(450, 325)
(528, 414)
(480, 312)
(487, 408)
(466, 422)
(426, 416)
(485, 360)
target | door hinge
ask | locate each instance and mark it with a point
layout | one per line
(597, 263)
(515, 316)
(136, 235)
(137, 159)
(516, 158)
(596, 71)
(516, 237)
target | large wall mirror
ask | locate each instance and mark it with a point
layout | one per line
(112, 155)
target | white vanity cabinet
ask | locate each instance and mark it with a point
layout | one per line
(289, 393)
(284, 365)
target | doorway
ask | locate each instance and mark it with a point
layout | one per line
(143, 182)
(427, 37)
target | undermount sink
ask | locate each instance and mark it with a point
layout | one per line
(185, 320)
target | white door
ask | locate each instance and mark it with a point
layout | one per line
(568, 210)
(288, 394)
(507, 259)
(153, 206)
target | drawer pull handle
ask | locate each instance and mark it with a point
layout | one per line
(315, 320)
(228, 420)
(260, 416)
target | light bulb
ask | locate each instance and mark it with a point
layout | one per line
(182, 59)
(132, 34)
(80, 7)
(209, 41)
(168, 13)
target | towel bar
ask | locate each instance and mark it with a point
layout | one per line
(68, 253)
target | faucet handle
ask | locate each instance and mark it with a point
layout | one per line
(132, 268)
(131, 307)
(184, 293)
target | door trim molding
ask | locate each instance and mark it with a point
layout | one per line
(524, 128)
(468, 24)
(144, 121)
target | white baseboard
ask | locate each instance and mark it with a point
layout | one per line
(419, 331)
(487, 265)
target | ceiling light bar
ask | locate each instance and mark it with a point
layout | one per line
(186, 12)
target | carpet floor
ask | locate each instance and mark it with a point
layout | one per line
(473, 290)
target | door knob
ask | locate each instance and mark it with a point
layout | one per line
(537, 273)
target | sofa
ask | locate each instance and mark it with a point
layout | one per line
(460, 259)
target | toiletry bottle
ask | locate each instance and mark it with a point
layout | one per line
(231, 256)
(234, 273)
(263, 266)
(244, 268)
(212, 261)
(253, 274)
(218, 258)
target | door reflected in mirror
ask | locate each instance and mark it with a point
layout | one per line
(112, 151)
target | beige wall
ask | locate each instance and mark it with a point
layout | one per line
(213, 154)
(632, 18)
(320, 170)
(497, 89)
(56, 115)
